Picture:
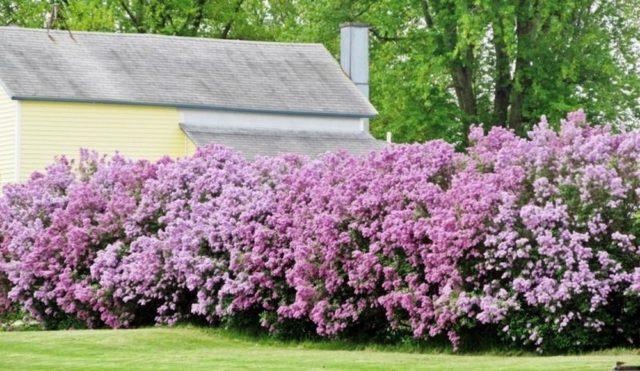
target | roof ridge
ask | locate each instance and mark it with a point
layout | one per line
(160, 36)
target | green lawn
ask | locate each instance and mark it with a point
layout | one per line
(193, 348)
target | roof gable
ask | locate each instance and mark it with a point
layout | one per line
(176, 71)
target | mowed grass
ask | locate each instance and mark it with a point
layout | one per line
(187, 348)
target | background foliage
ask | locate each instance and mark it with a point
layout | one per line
(437, 65)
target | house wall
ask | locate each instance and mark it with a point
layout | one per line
(8, 120)
(250, 120)
(49, 129)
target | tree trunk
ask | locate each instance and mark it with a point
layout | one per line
(502, 78)
(460, 66)
(463, 86)
(525, 33)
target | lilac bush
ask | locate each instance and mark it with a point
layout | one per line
(184, 227)
(195, 224)
(359, 233)
(55, 224)
(262, 253)
(26, 214)
(559, 260)
(534, 240)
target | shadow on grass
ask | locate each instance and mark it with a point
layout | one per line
(365, 336)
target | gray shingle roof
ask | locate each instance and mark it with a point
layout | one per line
(176, 71)
(252, 143)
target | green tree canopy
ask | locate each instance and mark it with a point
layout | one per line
(437, 65)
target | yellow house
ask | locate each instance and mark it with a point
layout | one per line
(147, 96)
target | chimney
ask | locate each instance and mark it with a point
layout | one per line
(354, 54)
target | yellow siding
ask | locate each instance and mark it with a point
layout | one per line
(191, 147)
(7, 138)
(49, 129)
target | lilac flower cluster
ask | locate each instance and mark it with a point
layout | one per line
(534, 238)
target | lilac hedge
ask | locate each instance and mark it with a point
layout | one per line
(533, 241)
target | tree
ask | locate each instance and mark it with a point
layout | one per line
(242, 19)
(440, 65)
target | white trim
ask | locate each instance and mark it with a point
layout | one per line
(255, 121)
(364, 125)
(18, 138)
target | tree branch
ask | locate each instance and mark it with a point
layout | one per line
(192, 23)
(384, 37)
(426, 13)
(227, 27)
(134, 19)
